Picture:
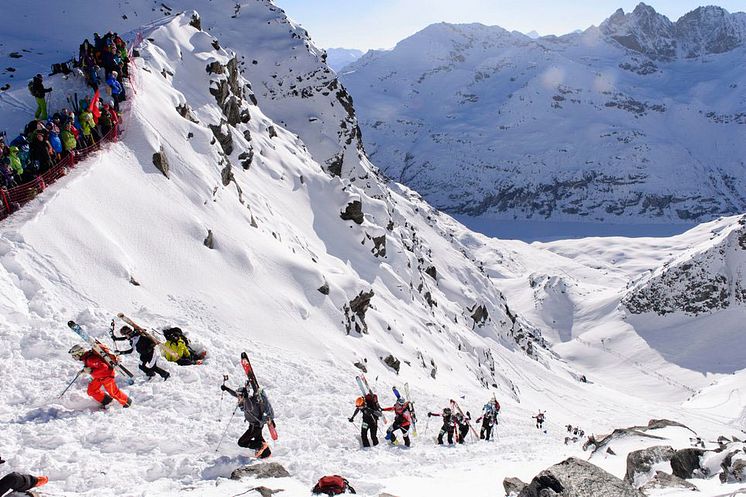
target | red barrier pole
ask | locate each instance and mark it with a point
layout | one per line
(5, 200)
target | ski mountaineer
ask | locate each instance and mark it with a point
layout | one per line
(448, 426)
(256, 410)
(489, 419)
(462, 423)
(176, 349)
(145, 346)
(539, 419)
(17, 482)
(368, 405)
(102, 376)
(402, 421)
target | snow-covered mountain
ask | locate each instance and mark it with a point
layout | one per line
(239, 205)
(639, 120)
(337, 58)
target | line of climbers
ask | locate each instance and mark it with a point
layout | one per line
(46, 140)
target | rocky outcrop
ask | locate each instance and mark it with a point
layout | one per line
(664, 480)
(577, 478)
(223, 136)
(641, 462)
(687, 463)
(392, 362)
(513, 486)
(263, 470)
(160, 161)
(355, 312)
(353, 212)
(209, 241)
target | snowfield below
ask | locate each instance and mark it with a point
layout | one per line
(297, 247)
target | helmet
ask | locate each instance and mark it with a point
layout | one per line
(359, 402)
(126, 331)
(400, 401)
(447, 411)
(77, 351)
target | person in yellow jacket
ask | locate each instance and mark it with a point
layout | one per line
(16, 165)
(176, 349)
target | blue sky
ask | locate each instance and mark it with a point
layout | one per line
(381, 23)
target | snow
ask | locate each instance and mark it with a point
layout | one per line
(72, 252)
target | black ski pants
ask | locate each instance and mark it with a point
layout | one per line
(447, 428)
(253, 439)
(404, 431)
(486, 432)
(370, 424)
(149, 364)
(463, 430)
(16, 482)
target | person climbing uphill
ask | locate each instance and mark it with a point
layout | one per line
(257, 411)
(371, 410)
(402, 421)
(145, 346)
(462, 424)
(102, 376)
(539, 420)
(488, 419)
(448, 425)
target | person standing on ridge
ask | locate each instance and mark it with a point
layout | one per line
(102, 376)
(368, 405)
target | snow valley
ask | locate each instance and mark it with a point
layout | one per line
(238, 208)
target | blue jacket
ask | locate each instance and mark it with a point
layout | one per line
(116, 88)
(54, 140)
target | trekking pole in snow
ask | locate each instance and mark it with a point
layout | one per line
(71, 383)
(222, 394)
(222, 437)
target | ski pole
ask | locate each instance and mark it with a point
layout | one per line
(71, 383)
(222, 394)
(222, 437)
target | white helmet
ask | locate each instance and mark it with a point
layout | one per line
(77, 351)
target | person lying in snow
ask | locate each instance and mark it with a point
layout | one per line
(177, 349)
(17, 482)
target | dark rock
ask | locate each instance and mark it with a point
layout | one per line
(161, 162)
(686, 463)
(734, 470)
(196, 22)
(664, 480)
(432, 272)
(324, 289)
(272, 132)
(513, 486)
(603, 441)
(355, 312)
(577, 478)
(226, 174)
(334, 165)
(215, 67)
(353, 212)
(379, 246)
(362, 367)
(479, 314)
(246, 158)
(223, 135)
(393, 363)
(642, 461)
(133, 281)
(655, 424)
(209, 241)
(264, 470)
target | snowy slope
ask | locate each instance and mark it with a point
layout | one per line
(438, 305)
(337, 58)
(637, 121)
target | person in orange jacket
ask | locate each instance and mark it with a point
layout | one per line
(102, 376)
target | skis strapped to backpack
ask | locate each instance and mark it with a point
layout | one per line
(365, 390)
(261, 395)
(457, 408)
(411, 409)
(140, 330)
(99, 348)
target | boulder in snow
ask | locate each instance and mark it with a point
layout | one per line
(577, 478)
(161, 162)
(513, 486)
(640, 462)
(686, 463)
(664, 480)
(264, 470)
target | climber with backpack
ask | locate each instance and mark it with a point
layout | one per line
(176, 348)
(489, 419)
(332, 485)
(257, 411)
(462, 425)
(37, 90)
(402, 421)
(539, 419)
(448, 425)
(371, 410)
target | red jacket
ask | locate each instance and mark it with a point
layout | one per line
(99, 368)
(402, 413)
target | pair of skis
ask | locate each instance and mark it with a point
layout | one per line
(140, 330)
(455, 407)
(260, 394)
(408, 398)
(362, 383)
(100, 349)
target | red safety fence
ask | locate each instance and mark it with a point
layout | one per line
(14, 198)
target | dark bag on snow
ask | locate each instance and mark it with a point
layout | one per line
(332, 485)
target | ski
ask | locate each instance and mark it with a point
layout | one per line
(455, 406)
(251, 379)
(142, 331)
(411, 409)
(365, 389)
(99, 348)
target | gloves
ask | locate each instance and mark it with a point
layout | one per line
(350, 420)
(87, 369)
(224, 388)
(429, 415)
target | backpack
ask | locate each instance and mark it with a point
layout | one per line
(174, 334)
(332, 485)
(31, 88)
